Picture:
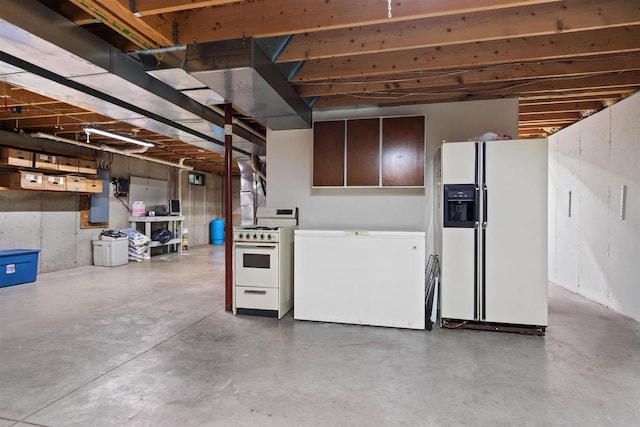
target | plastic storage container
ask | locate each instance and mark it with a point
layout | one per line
(217, 231)
(138, 208)
(111, 253)
(18, 266)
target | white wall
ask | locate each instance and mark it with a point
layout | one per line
(594, 252)
(289, 161)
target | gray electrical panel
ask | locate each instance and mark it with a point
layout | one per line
(99, 202)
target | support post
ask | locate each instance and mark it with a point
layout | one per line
(228, 208)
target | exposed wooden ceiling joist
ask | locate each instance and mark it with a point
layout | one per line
(500, 73)
(543, 19)
(467, 55)
(561, 58)
(284, 17)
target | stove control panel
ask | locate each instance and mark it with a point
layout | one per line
(255, 236)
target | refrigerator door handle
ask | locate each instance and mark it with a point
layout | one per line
(475, 274)
(476, 209)
(483, 278)
(485, 197)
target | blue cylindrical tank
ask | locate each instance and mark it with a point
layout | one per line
(216, 229)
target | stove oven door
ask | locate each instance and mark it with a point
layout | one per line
(256, 264)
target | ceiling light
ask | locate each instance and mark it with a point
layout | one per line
(91, 130)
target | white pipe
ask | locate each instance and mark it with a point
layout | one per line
(128, 153)
(181, 163)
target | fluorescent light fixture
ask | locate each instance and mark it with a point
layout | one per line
(90, 130)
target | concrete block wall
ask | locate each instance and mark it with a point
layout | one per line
(593, 251)
(51, 222)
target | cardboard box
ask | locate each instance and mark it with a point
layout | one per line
(67, 164)
(76, 183)
(18, 266)
(87, 166)
(14, 157)
(46, 161)
(22, 180)
(55, 183)
(94, 185)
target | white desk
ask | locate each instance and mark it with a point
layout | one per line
(364, 277)
(174, 224)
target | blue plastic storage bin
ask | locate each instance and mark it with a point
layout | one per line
(18, 266)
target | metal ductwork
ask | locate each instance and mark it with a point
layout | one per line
(47, 54)
(252, 192)
(236, 71)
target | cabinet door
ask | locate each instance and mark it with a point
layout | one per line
(363, 152)
(403, 151)
(328, 153)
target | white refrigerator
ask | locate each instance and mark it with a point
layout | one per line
(494, 232)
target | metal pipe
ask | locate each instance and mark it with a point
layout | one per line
(128, 153)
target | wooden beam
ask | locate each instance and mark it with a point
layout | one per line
(553, 18)
(283, 17)
(470, 55)
(121, 20)
(502, 73)
(556, 100)
(155, 7)
(78, 16)
(48, 110)
(156, 28)
(18, 96)
(526, 110)
(64, 121)
(345, 100)
(602, 93)
(628, 79)
(551, 116)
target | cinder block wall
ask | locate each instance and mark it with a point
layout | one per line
(51, 222)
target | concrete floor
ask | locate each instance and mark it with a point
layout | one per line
(150, 344)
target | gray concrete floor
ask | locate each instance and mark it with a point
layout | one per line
(149, 344)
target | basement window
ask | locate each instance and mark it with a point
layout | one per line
(196, 178)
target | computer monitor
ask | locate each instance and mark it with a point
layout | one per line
(174, 207)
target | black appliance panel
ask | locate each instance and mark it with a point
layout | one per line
(460, 205)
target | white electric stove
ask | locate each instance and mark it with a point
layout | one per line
(263, 264)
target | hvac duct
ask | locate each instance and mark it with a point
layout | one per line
(236, 71)
(252, 192)
(46, 53)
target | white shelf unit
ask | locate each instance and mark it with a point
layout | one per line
(174, 223)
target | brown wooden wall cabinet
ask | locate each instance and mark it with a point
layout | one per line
(393, 157)
(403, 151)
(328, 154)
(363, 152)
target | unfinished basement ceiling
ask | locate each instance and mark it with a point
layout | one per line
(564, 60)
